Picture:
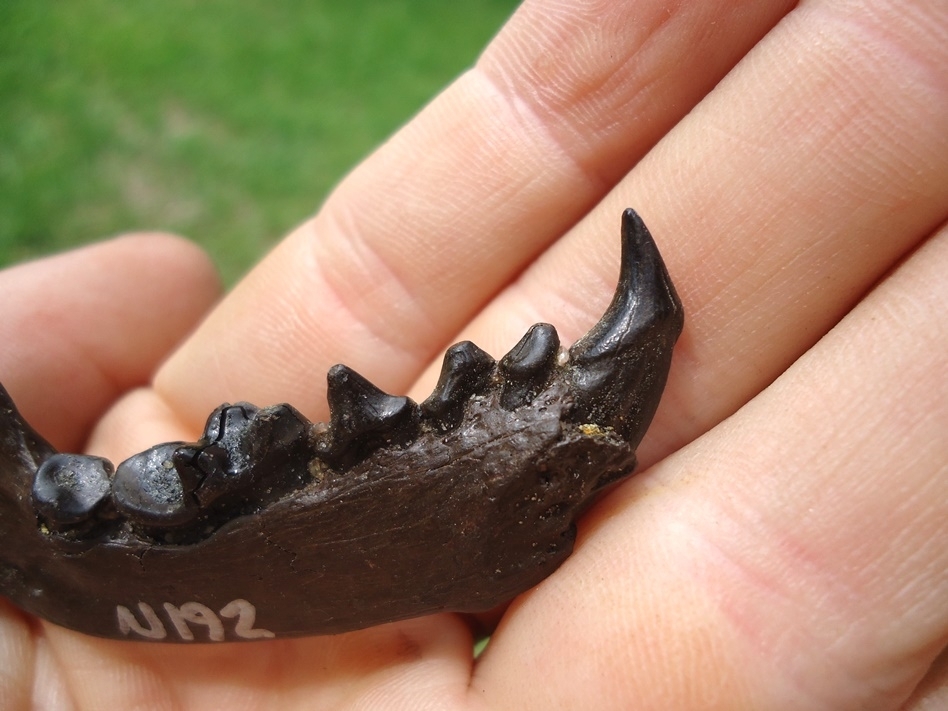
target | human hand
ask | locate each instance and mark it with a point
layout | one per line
(782, 546)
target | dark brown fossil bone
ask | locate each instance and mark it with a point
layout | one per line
(271, 526)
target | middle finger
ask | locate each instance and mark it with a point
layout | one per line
(777, 203)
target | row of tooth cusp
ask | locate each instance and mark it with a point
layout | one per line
(248, 456)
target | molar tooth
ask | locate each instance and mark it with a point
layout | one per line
(68, 488)
(149, 490)
(527, 367)
(363, 418)
(465, 371)
(248, 455)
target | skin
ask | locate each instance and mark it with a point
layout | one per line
(783, 545)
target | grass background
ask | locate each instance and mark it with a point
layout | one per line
(225, 121)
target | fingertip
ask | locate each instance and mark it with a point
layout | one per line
(180, 261)
(82, 327)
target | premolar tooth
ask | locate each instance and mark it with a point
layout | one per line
(465, 371)
(526, 368)
(68, 488)
(363, 418)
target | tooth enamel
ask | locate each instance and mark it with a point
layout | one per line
(68, 488)
(362, 417)
(618, 370)
(527, 367)
(148, 489)
(465, 371)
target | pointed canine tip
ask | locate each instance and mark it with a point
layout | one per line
(642, 269)
(644, 297)
(618, 369)
(636, 242)
(632, 222)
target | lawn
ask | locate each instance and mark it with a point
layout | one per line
(227, 122)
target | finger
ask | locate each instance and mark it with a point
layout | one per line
(80, 328)
(16, 658)
(420, 664)
(781, 199)
(567, 98)
(932, 693)
(793, 557)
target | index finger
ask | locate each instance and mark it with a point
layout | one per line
(429, 228)
(80, 328)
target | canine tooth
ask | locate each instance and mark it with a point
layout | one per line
(617, 371)
(526, 368)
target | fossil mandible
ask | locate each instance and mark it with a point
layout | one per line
(272, 526)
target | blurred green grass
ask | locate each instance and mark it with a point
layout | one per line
(227, 122)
